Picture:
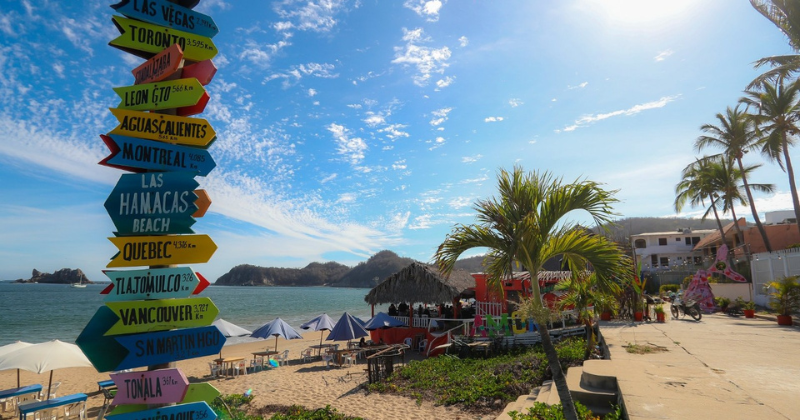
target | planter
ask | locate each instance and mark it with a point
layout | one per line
(784, 320)
(637, 316)
(749, 313)
(605, 316)
(660, 317)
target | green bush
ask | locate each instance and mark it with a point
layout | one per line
(665, 289)
(722, 302)
(296, 412)
(228, 407)
(541, 411)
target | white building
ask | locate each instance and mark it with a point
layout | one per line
(664, 250)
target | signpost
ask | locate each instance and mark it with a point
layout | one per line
(189, 131)
(153, 283)
(191, 411)
(144, 39)
(203, 71)
(161, 12)
(153, 202)
(135, 316)
(163, 386)
(198, 108)
(203, 202)
(138, 251)
(137, 155)
(161, 95)
(195, 393)
(161, 66)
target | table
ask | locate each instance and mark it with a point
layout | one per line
(9, 394)
(264, 355)
(34, 407)
(229, 364)
(319, 347)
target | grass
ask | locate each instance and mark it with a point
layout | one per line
(644, 348)
(237, 407)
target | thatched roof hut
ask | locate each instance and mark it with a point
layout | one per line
(420, 283)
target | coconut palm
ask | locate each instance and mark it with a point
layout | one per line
(736, 135)
(731, 191)
(525, 225)
(584, 297)
(777, 120)
(785, 14)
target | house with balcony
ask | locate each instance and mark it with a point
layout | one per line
(660, 251)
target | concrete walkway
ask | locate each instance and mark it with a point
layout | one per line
(719, 368)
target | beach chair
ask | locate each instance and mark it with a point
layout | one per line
(283, 359)
(327, 357)
(257, 364)
(240, 368)
(215, 369)
(407, 342)
(423, 344)
(307, 355)
(76, 411)
(350, 358)
(53, 389)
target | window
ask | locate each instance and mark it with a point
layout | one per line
(640, 243)
(677, 239)
(688, 240)
(664, 261)
(654, 260)
(662, 241)
(695, 240)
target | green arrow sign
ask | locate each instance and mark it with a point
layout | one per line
(160, 95)
(145, 39)
(137, 316)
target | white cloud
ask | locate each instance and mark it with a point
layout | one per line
(592, 118)
(399, 165)
(354, 106)
(437, 143)
(580, 86)
(460, 202)
(310, 15)
(374, 119)
(261, 55)
(441, 115)
(297, 72)
(426, 60)
(346, 198)
(492, 119)
(471, 159)
(463, 41)
(394, 131)
(327, 179)
(428, 9)
(663, 55)
(59, 69)
(514, 102)
(312, 92)
(443, 83)
(283, 26)
(352, 148)
(421, 222)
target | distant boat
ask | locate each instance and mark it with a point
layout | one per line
(79, 284)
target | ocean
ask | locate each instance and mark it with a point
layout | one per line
(40, 312)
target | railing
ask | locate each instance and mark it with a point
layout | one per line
(488, 308)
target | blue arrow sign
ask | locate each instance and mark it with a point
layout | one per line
(138, 155)
(163, 13)
(191, 411)
(153, 203)
(110, 353)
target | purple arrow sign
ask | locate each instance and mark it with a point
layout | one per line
(163, 386)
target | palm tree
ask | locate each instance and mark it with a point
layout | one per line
(777, 121)
(583, 293)
(736, 135)
(785, 14)
(525, 225)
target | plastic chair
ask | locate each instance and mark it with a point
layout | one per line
(257, 364)
(215, 369)
(283, 359)
(407, 342)
(422, 345)
(327, 357)
(75, 410)
(240, 368)
(307, 354)
(53, 389)
(350, 358)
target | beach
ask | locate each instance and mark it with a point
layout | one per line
(309, 384)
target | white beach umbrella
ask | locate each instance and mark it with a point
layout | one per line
(229, 329)
(8, 348)
(43, 357)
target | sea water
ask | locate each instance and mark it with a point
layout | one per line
(40, 312)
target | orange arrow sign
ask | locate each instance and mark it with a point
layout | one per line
(161, 66)
(203, 202)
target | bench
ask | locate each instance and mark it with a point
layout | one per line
(108, 383)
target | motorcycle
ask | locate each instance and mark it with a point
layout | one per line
(682, 307)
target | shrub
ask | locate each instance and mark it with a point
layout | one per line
(722, 302)
(665, 289)
(542, 411)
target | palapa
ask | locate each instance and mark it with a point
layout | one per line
(420, 282)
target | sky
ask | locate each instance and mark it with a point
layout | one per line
(350, 127)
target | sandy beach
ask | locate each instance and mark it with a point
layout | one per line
(308, 384)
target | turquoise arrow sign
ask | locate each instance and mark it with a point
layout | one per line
(167, 14)
(154, 283)
(191, 411)
(110, 353)
(153, 203)
(138, 155)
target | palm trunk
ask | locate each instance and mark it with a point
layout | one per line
(753, 207)
(558, 375)
(792, 186)
(722, 232)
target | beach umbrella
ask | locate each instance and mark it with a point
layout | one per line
(320, 323)
(278, 328)
(347, 328)
(229, 330)
(383, 321)
(45, 357)
(8, 348)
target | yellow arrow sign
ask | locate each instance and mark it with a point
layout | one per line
(167, 128)
(137, 316)
(161, 250)
(145, 39)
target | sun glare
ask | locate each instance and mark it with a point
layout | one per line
(639, 11)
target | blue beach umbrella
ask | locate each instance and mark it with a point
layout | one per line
(320, 323)
(382, 320)
(229, 330)
(347, 328)
(278, 328)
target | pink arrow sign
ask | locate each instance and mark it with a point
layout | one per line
(203, 71)
(163, 386)
(198, 108)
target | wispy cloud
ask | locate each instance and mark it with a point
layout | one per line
(443, 83)
(310, 15)
(350, 147)
(592, 118)
(428, 9)
(312, 92)
(426, 60)
(296, 73)
(580, 86)
(394, 131)
(493, 119)
(663, 55)
(441, 116)
(463, 41)
(471, 159)
(515, 102)
(261, 55)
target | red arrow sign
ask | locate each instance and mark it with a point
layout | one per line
(203, 284)
(194, 109)
(203, 71)
(161, 66)
(163, 386)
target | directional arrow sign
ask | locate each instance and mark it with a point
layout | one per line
(154, 283)
(196, 393)
(163, 13)
(198, 108)
(137, 155)
(161, 250)
(153, 203)
(137, 316)
(162, 386)
(191, 411)
(145, 39)
(161, 95)
(203, 71)
(167, 128)
(112, 353)
(203, 202)
(161, 66)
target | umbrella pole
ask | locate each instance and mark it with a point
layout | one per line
(276, 343)
(49, 384)
(17, 378)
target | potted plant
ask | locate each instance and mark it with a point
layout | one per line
(659, 310)
(749, 309)
(785, 294)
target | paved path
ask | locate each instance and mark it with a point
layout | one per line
(719, 368)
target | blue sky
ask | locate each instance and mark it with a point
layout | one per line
(345, 128)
